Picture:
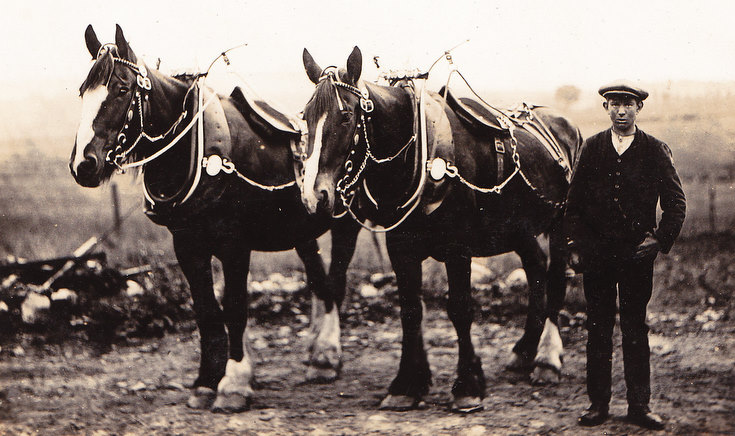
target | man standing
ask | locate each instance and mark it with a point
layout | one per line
(620, 176)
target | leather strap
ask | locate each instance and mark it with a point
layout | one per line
(499, 152)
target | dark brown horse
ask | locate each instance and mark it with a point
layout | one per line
(233, 195)
(371, 154)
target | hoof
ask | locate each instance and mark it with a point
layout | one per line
(321, 375)
(231, 403)
(519, 363)
(201, 398)
(401, 403)
(467, 405)
(545, 375)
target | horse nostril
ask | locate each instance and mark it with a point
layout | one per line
(93, 159)
(323, 198)
(88, 165)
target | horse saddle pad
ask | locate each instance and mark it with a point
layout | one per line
(264, 114)
(473, 113)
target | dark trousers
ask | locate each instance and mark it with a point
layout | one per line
(633, 280)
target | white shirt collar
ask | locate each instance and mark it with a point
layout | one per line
(621, 143)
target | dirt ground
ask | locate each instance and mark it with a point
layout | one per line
(141, 389)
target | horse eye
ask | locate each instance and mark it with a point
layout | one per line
(124, 90)
(346, 117)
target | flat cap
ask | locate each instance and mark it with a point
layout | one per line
(622, 87)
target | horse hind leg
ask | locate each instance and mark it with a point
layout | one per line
(534, 263)
(550, 352)
(324, 361)
(235, 390)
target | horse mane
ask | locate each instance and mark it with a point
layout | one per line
(187, 78)
(99, 73)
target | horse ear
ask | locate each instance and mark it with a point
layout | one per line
(93, 43)
(313, 70)
(354, 65)
(123, 49)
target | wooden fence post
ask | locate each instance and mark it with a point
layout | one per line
(712, 208)
(116, 208)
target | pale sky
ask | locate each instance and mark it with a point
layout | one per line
(513, 45)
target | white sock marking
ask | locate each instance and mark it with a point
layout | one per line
(238, 375)
(550, 348)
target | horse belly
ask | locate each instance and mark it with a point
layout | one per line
(279, 225)
(491, 227)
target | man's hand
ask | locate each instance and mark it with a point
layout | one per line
(575, 260)
(648, 248)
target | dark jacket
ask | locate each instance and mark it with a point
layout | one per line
(611, 204)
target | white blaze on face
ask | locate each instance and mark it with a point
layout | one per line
(91, 103)
(311, 166)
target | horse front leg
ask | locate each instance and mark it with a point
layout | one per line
(196, 264)
(414, 375)
(325, 351)
(550, 352)
(344, 233)
(235, 390)
(469, 387)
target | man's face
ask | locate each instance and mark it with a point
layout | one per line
(623, 111)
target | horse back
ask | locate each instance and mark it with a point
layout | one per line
(564, 130)
(258, 153)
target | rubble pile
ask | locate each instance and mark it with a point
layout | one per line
(91, 301)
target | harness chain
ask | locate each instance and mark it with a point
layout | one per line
(345, 184)
(509, 124)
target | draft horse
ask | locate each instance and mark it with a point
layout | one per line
(372, 149)
(223, 188)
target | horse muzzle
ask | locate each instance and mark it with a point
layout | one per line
(321, 198)
(88, 171)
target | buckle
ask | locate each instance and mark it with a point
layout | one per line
(144, 82)
(499, 146)
(366, 105)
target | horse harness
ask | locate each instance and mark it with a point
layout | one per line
(211, 128)
(437, 168)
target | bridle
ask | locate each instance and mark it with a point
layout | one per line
(345, 185)
(118, 155)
